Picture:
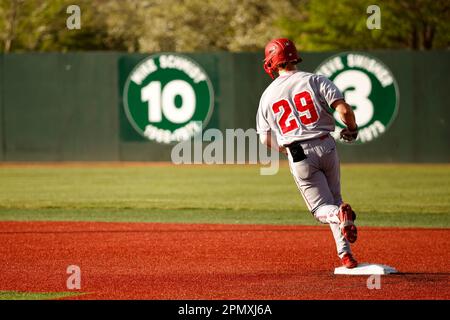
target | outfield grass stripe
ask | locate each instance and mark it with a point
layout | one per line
(382, 195)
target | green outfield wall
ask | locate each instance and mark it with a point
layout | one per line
(69, 107)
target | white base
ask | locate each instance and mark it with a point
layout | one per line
(366, 269)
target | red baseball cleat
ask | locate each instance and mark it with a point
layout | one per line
(348, 228)
(348, 261)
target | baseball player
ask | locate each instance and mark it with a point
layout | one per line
(295, 108)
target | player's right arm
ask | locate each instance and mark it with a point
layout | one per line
(345, 113)
(347, 116)
(335, 100)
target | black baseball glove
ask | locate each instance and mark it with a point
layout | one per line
(349, 135)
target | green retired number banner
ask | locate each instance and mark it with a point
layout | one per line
(369, 87)
(168, 98)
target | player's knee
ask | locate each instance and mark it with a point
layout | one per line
(320, 216)
(327, 213)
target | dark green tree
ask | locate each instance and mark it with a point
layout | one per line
(35, 25)
(341, 25)
(229, 25)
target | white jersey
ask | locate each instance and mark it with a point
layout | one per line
(296, 106)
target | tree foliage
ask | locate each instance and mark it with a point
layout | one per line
(229, 25)
(330, 24)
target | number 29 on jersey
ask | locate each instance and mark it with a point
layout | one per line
(305, 106)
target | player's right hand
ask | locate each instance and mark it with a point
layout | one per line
(349, 135)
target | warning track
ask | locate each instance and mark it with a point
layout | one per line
(206, 261)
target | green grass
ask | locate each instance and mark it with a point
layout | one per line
(16, 295)
(382, 195)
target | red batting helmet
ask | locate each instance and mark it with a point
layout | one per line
(279, 51)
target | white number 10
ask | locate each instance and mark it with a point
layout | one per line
(162, 102)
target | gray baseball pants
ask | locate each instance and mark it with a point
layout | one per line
(318, 179)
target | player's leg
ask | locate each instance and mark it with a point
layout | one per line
(329, 162)
(330, 214)
(312, 184)
(342, 244)
(327, 213)
(330, 165)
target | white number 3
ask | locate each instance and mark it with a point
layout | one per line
(358, 97)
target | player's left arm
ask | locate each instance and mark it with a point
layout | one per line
(269, 140)
(264, 131)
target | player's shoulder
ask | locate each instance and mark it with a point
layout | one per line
(312, 76)
(304, 74)
(286, 80)
(267, 91)
(263, 98)
(320, 78)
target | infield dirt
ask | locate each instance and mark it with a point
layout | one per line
(210, 261)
